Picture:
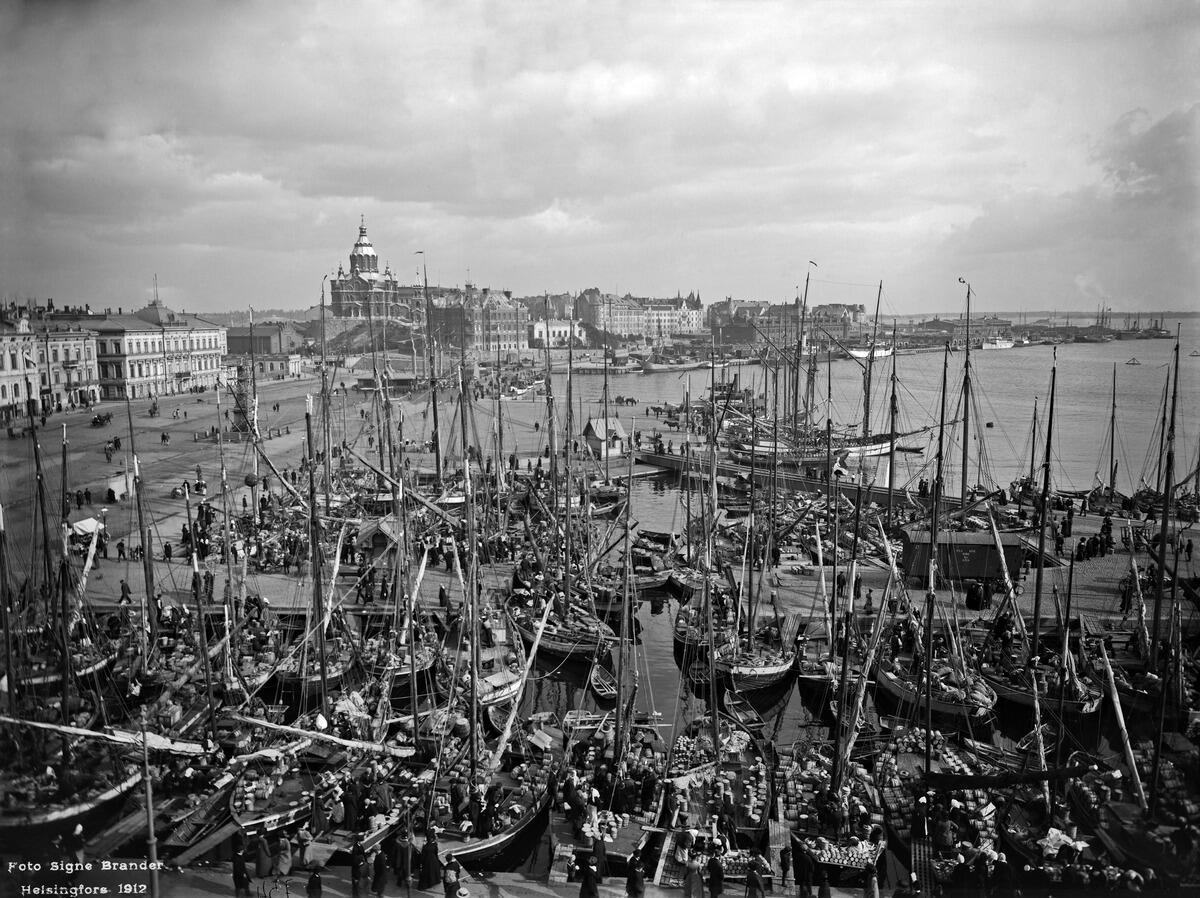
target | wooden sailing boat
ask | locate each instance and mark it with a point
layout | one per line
(953, 690)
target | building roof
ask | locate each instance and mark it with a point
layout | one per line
(603, 428)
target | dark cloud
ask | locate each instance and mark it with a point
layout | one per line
(713, 146)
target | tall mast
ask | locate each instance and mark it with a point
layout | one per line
(1112, 437)
(144, 530)
(231, 609)
(1033, 444)
(314, 551)
(64, 570)
(867, 371)
(966, 440)
(626, 606)
(198, 595)
(11, 692)
(931, 594)
(325, 448)
(567, 445)
(471, 603)
(893, 413)
(551, 442)
(254, 422)
(1168, 488)
(607, 440)
(829, 420)
(1035, 646)
(437, 439)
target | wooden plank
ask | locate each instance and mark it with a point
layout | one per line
(209, 842)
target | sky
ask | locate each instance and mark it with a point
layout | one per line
(1046, 152)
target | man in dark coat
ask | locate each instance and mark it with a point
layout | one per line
(803, 867)
(358, 866)
(402, 856)
(379, 869)
(431, 865)
(313, 889)
(350, 809)
(716, 876)
(241, 875)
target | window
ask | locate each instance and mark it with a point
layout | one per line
(41, 356)
(88, 353)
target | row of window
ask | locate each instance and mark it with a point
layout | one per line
(12, 359)
(113, 370)
(190, 343)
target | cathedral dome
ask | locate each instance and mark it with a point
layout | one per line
(363, 257)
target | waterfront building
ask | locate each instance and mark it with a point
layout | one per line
(556, 333)
(629, 316)
(45, 364)
(152, 352)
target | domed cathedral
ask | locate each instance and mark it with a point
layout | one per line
(365, 292)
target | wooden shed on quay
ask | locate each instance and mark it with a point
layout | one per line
(966, 558)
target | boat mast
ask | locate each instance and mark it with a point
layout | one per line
(11, 691)
(931, 595)
(567, 446)
(253, 422)
(1033, 444)
(429, 348)
(550, 441)
(626, 606)
(1112, 436)
(326, 448)
(607, 436)
(314, 550)
(198, 594)
(63, 586)
(829, 420)
(231, 610)
(1168, 488)
(144, 531)
(893, 412)
(471, 603)
(867, 371)
(966, 393)
(1035, 647)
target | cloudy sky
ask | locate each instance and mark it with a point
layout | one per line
(1046, 151)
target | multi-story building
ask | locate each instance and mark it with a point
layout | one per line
(629, 316)
(45, 365)
(505, 326)
(366, 292)
(269, 338)
(152, 352)
(555, 332)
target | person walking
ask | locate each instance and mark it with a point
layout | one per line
(379, 870)
(716, 875)
(693, 878)
(241, 874)
(589, 878)
(431, 865)
(313, 888)
(1187, 550)
(635, 877)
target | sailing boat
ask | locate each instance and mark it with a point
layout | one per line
(906, 673)
(53, 779)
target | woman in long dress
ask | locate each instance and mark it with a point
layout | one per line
(693, 878)
(431, 866)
